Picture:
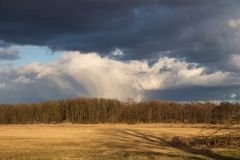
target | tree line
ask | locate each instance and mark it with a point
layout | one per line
(94, 110)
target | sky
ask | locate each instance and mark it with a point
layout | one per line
(183, 50)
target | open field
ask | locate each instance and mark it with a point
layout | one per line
(103, 141)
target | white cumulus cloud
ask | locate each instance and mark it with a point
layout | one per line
(75, 74)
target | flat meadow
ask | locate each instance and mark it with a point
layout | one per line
(103, 141)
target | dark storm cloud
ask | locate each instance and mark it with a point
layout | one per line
(194, 30)
(197, 93)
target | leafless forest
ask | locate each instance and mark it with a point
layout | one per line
(84, 110)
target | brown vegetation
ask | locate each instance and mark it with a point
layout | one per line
(105, 142)
(95, 110)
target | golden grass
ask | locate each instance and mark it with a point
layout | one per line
(100, 141)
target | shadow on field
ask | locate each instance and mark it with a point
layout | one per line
(145, 143)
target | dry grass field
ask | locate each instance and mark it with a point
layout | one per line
(103, 141)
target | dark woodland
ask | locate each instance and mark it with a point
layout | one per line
(84, 110)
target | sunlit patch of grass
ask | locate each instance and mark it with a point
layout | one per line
(98, 142)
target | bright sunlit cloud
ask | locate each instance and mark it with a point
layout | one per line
(76, 74)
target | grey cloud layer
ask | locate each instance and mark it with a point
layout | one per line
(9, 53)
(194, 30)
